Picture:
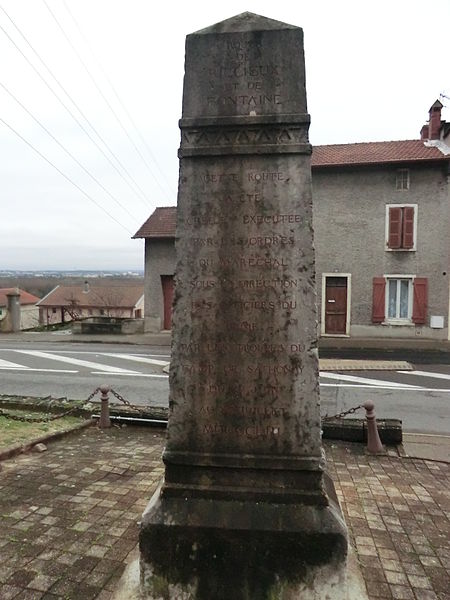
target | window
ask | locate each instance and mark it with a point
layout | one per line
(401, 226)
(402, 180)
(399, 299)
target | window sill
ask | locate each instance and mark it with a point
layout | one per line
(399, 322)
(335, 335)
(400, 249)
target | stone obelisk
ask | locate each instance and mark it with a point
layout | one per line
(246, 510)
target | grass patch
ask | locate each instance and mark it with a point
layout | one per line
(17, 432)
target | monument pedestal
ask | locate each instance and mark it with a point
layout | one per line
(211, 549)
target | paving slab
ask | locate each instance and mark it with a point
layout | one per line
(432, 447)
(69, 516)
(348, 364)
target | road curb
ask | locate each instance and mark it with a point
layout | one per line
(44, 439)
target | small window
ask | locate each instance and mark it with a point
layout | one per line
(102, 311)
(402, 180)
(1, 312)
(401, 226)
(54, 311)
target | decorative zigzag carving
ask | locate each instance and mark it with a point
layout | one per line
(251, 136)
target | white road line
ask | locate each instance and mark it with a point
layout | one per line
(142, 359)
(32, 369)
(76, 361)
(380, 388)
(374, 382)
(132, 374)
(96, 352)
(5, 364)
(426, 374)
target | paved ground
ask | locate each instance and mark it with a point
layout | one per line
(69, 516)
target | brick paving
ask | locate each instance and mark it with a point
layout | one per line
(69, 516)
(398, 514)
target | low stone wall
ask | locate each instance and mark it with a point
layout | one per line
(108, 326)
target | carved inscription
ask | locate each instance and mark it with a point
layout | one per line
(245, 77)
(244, 272)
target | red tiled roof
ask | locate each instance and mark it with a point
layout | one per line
(100, 296)
(25, 297)
(374, 153)
(160, 224)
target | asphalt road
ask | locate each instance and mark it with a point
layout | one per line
(75, 370)
(421, 398)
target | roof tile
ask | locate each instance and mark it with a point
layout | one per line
(374, 153)
(160, 224)
(113, 296)
(25, 297)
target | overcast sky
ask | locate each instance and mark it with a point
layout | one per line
(373, 70)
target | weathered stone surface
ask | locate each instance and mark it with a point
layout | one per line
(216, 549)
(244, 379)
(245, 511)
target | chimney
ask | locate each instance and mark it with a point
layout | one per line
(86, 287)
(434, 124)
(424, 132)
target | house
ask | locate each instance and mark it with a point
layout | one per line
(27, 312)
(381, 221)
(72, 302)
(159, 234)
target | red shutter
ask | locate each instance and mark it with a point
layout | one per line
(419, 314)
(395, 227)
(408, 227)
(379, 299)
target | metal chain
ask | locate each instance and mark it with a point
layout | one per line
(22, 419)
(140, 410)
(89, 398)
(127, 402)
(343, 414)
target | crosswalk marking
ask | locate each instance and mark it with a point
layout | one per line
(426, 374)
(76, 361)
(366, 380)
(133, 374)
(5, 364)
(142, 359)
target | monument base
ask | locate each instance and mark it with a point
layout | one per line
(202, 549)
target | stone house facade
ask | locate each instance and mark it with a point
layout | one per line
(381, 221)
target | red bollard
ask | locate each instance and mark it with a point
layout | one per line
(104, 420)
(374, 445)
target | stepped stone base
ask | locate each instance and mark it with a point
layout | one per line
(204, 549)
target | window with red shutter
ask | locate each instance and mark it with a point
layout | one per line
(395, 227)
(379, 299)
(408, 227)
(401, 226)
(419, 313)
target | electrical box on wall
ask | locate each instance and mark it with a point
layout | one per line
(437, 322)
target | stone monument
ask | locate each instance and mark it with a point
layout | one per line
(246, 510)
